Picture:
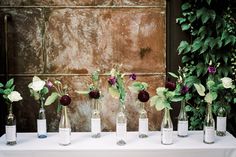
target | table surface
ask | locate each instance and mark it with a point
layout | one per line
(83, 142)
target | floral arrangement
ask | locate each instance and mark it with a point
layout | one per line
(213, 87)
(140, 88)
(39, 89)
(183, 83)
(61, 92)
(93, 89)
(170, 93)
(8, 92)
(117, 85)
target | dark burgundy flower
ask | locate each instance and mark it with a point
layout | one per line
(94, 94)
(170, 85)
(65, 100)
(184, 90)
(211, 70)
(112, 80)
(132, 77)
(143, 96)
(49, 84)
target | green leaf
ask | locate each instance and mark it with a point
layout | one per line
(177, 98)
(210, 84)
(1, 91)
(1, 85)
(205, 17)
(157, 102)
(185, 6)
(185, 27)
(208, 2)
(51, 99)
(185, 59)
(182, 46)
(180, 20)
(197, 44)
(44, 91)
(173, 75)
(7, 91)
(188, 108)
(208, 98)
(200, 12)
(213, 95)
(212, 14)
(9, 83)
(200, 89)
(114, 92)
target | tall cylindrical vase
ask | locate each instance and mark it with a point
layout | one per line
(209, 126)
(221, 121)
(95, 119)
(143, 121)
(41, 121)
(166, 128)
(121, 125)
(64, 128)
(182, 121)
(10, 127)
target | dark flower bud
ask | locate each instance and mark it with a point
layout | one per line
(65, 100)
(143, 96)
(112, 80)
(132, 77)
(170, 85)
(184, 90)
(94, 94)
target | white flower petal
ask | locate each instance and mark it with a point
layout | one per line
(14, 96)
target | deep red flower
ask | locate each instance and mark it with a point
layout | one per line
(143, 96)
(170, 85)
(94, 94)
(65, 100)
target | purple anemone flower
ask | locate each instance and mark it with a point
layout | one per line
(132, 76)
(211, 70)
(112, 80)
(49, 84)
(184, 90)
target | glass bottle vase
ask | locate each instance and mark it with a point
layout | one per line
(95, 119)
(41, 121)
(209, 126)
(166, 128)
(143, 121)
(64, 128)
(10, 127)
(182, 121)
(121, 125)
(221, 121)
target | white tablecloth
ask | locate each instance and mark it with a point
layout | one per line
(82, 145)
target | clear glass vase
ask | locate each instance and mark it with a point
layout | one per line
(166, 128)
(182, 121)
(221, 121)
(64, 128)
(41, 121)
(209, 126)
(95, 119)
(143, 121)
(121, 125)
(10, 127)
